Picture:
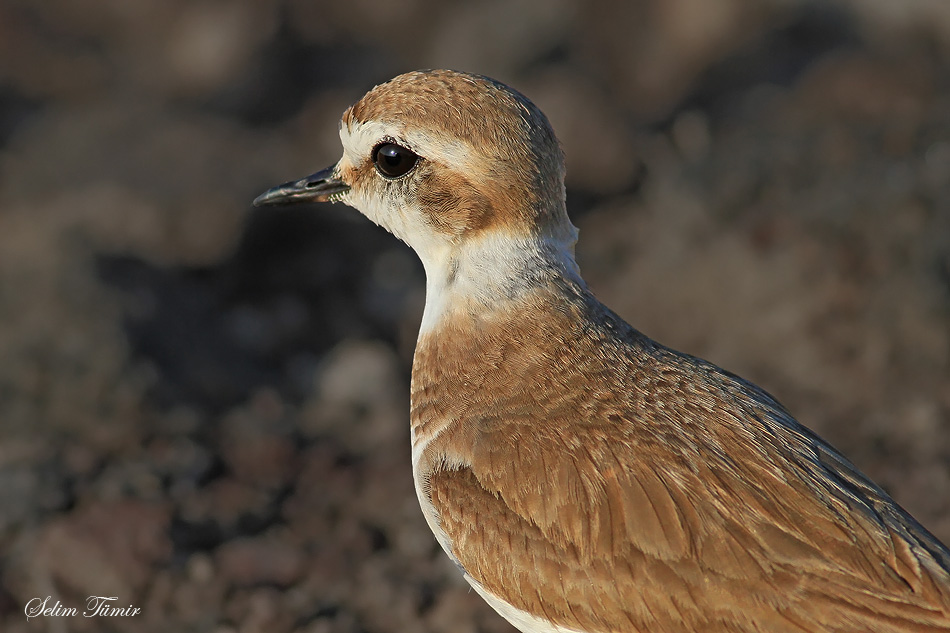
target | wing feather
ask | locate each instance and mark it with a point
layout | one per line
(636, 489)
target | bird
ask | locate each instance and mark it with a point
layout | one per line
(581, 476)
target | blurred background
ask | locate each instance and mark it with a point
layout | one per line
(204, 407)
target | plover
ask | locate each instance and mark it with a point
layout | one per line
(582, 476)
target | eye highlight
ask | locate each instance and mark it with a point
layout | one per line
(393, 161)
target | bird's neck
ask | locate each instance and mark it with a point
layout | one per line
(496, 330)
(485, 301)
(493, 272)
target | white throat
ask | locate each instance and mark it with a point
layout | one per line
(482, 273)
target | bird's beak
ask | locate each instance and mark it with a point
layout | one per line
(322, 186)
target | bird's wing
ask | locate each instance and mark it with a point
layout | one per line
(599, 480)
(600, 531)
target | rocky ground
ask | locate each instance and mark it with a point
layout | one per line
(203, 407)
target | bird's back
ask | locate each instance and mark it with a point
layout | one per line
(592, 478)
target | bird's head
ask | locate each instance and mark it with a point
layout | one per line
(441, 158)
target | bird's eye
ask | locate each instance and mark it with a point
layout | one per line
(393, 161)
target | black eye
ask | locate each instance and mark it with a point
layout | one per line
(392, 160)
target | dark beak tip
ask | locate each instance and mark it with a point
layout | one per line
(270, 197)
(318, 187)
